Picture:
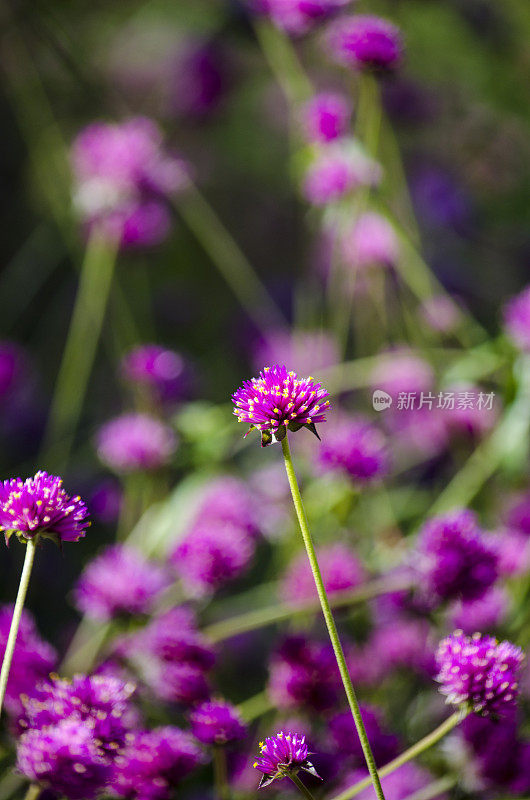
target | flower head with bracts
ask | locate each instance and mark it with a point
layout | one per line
(278, 401)
(283, 755)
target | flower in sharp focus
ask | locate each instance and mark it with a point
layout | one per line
(340, 567)
(283, 755)
(161, 371)
(117, 582)
(217, 722)
(134, 442)
(457, 561)
(39, 506)
(479, 672)
(153, 762)
(365, 42)
(278, 401)
(517, 319)
(325, 117)
(64, 758)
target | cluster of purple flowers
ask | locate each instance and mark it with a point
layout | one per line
(123, 179)
(303, 674)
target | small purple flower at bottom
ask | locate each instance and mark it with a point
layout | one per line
(283, 755)
(64, 758)
(153, 762)
(39, 506)
(479, 672)
(217, 722)
(278, 401)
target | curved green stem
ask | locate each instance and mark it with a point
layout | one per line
(303, 789)
(284, 64)
(33, 792)
(416, 749)
(261, 617)
(81, 345)
(31, 544)
(330, 622)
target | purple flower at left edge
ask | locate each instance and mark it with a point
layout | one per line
(119, 581)
(39, 506)
(278, 401)
(283, 755)
(217, 722)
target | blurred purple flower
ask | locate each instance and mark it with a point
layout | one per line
(356, 447)
(13, 369)
(401, 370)
(439, 199)
(305, 351)
(338, 170)
(164, 373)
(401, 644)
(173, 637)
(105, 501)
(282, 755)
(303, 673)
(500, 756)
(400, 784)
(517, 319)
(228, 499)
(479, 672)
(441, 313)
(200, 79)
(385, 746)
(325, 117)
(123, 177)
(456, 560)
(513, 552)
(484, 614)
(365, 42)
(153, 762)
(135, 442)
(340, 567)
(40, 506)
(211, 554)
(65, 758)
(371, 242)
(217, 722)
(119, 581)
(518, 515)
(178, 682)
(298, 16)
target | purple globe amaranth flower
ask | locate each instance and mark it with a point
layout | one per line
(122, 178)
(365, 42)
(484, 614)
(400, 644)
(457, 562)
(153, 762)
(405, 781)
(217, 722)
(385, 746)
(441, 313)
(499, 755)
(479, 672)
(278, 401)
(305, 350)
(200, 79)
(303, 673)
(340, 567)
(325, 117)
(296, 17)
(39, 506)
(183, 683)
(338, 170)
(117, 582)
(357, 448)
(212, 554)
(228, 499)
(106, 500)
(162, 372)
(517, 319)
(173, 637)
(33, 659)
(371, 242)
(401, 370)
(100, 702)
(64, 758)
(518, 515)
(135, 442)
(282, 755)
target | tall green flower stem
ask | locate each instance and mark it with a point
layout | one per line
(222, 788)
(303, 789)
(330, 622)
(31, 544)
(80, 350)
(283, 61)
(416, 750)
(225, 253)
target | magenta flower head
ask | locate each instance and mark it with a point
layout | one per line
(341, 570)
(120, 581)
(39, 506)
(517, 319)
(135, 442)
(338, 170)
(278, 401)
(325, 117)
(372, 242)
(297, 17)
(478, 672)
(283, 755)
(162, 372)
(365, 42)
(217, 722)
(356, 448)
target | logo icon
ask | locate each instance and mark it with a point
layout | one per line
(381, 400)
